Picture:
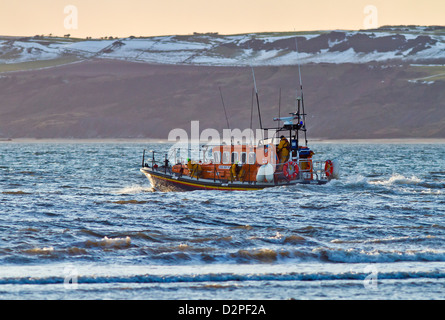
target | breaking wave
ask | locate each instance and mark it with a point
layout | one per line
(224, 277)
(186, 254)
(377, 256)
(405, 239)
(110, 243)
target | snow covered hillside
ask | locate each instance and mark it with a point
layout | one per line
(403, 43)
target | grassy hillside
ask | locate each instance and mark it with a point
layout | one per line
(115, 99)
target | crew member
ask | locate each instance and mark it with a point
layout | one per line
(192, 167)
(189, 164)
(234, 172)
(245, 170)
(283, 149)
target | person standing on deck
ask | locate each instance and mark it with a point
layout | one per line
(283, 149)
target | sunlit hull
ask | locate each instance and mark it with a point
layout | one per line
(164, 181)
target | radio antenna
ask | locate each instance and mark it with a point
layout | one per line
(224, 107)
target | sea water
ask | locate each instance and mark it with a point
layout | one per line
(80, 221)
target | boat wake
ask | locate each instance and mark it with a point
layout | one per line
(394, 183)
(397, 179)
(134, 189)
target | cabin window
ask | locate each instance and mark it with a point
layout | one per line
(226, 157)
(234, 157)
(252, 158)
(217, 157)
(243, 157)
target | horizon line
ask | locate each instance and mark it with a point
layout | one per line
(50, 35)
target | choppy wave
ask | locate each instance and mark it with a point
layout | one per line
(15, 192)
(341, 255)
(405, 239)
(187, 254)
(225, 277)
(129, 201)
(58, 209)
(110, 243)
(45, 250)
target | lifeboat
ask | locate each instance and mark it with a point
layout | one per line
(282, 158)
(220, 173)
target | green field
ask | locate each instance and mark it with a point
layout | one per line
(427, 72)
(33, 65)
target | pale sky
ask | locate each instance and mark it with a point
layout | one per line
(123, 18)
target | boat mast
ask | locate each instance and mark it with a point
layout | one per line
(257, 102)
(257, 99)
(279, 110)
(251, 118)
(224, 107)
(301, 98)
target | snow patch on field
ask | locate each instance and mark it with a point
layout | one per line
(412, 45)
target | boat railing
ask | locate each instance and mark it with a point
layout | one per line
(308, 170)
(318, 170)
(156, 165)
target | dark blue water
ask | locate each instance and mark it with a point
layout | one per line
(79, 221)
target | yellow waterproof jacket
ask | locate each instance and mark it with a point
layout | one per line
(283, 148)
(194, 169)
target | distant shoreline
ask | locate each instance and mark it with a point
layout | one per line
(148, 140)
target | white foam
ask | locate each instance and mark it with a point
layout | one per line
(115, 242)
(90, 274)
(106, 242)
(397, 179)
(353, 255)
(135, 189)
